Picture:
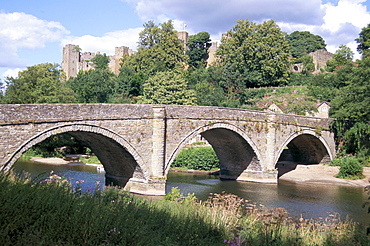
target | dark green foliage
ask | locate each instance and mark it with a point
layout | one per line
(343, 56)
(101, 61)
(159, 50)
(58, 145)
(94, 86)
(198, 45)
(350, 167)
(307, 63)
(352, 102)
(130, 85)
(205, 85)
(254, 55)
(364, 41)
(303, 43)
(38, 84)
(198, 158)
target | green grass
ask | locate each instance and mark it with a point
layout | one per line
(50, 212)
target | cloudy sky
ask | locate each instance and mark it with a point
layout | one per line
(35, 31)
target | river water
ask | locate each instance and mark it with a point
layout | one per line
(306, 200)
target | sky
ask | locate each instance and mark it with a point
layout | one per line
(34, 31)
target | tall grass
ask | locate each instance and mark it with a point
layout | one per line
(51, 212)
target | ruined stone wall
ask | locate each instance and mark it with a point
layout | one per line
(320, 58)
(74, 61)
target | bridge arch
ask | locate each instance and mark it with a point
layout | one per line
(235, 150)
(305, 147)
(127, 162)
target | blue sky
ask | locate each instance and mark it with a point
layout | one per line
(35, 31)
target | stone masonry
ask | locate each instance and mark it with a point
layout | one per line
(137, 143)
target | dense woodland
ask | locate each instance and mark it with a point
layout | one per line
(251, 58)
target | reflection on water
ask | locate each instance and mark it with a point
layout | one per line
(306, 200)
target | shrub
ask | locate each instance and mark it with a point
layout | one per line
(350, 167)
(198, 158)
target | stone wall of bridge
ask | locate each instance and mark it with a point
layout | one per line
(138, 143)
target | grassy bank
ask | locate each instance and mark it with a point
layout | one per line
(50, 212)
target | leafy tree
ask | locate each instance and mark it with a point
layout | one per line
(208, 92)
(94, 86)
(254, 55)
(364, 41)
(303, 43)
(343, 56)
(352, 102)
(307, 63)
(130, 85)
(101, 61)
(167, 88)
(159, 50)
(38, 84)
(198, 45)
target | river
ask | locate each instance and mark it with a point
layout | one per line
(306, 200)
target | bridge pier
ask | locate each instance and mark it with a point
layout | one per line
(264, 176)
(151, 187)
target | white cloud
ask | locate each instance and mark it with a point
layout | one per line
(219, 16)
(108, 42)
(337, 24)
(11, 73)
(22, 31)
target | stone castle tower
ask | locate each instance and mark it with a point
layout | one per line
(74, 60)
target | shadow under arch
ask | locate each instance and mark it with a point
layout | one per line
(235, 150)
(120, 160)
(305, 148)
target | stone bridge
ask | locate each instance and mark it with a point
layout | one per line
(137, 143)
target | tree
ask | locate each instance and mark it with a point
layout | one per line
(159, 50)
(208, 92)
(94, 86)
(303, 43)
(364, 41)
(343, 56)
(38, 84)
(167, 88)
(254, 55)
(198, 46)
(101, 61)
(352, 102)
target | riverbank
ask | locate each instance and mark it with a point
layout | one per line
(310, 174)
(323, 175)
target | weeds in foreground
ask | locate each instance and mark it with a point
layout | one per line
(51, 212)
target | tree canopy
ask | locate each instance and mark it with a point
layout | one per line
(303, 43)
(38, 84)
(159, 50)
(254, 55)
(167, 88)
(94, 86)
(198, 46)
(364, 41)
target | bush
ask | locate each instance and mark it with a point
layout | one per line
(350, 167)
(198, 158)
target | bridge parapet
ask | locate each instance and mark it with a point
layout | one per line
(137, 143)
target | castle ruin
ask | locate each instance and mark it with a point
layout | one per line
(74, 60)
